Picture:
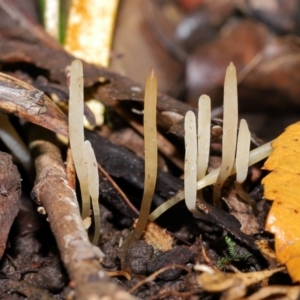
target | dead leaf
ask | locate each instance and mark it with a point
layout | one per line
(233, 285)
(282, 186)
(243, 212)
(279, 291)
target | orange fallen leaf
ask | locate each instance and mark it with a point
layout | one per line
(283, 186)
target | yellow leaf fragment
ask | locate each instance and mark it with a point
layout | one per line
(282, 186)
(90, 30)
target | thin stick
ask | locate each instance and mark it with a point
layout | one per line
(158, 272)
(117, 188)
(51, 190)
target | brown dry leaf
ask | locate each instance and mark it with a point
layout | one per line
(243, 212)
(282, 186)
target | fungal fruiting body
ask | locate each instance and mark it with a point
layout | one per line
(83, 155)
(150, 144)
(244, 158)
(190, 163)
(76, 133)
(230, 122)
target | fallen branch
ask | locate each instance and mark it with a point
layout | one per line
(51, 190)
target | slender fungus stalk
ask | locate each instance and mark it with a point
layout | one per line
(190, 164)
(93, 178)
(241, 164)
(150, 144)
(203, 144)
(150, 136)
(230, 122)
(76, 133)
(242, 152)
(204, 118)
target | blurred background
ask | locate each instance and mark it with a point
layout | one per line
(190, 43)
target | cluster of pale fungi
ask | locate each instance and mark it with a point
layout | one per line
(236, 154)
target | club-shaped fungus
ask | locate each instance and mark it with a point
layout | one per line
(242, 152)
(241, 164)
(190, 163)
(196, 150)
(227, 168)
(76, 133)
(83, 155)
(230, 122)
(93, 178)
(150, 145)
(203, 145)
(204, 120)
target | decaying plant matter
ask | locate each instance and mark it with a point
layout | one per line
(34, 88)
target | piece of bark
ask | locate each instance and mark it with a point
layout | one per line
(10, 193)
(226, 221)
(110, 88)
(26, 102)
(51, 190)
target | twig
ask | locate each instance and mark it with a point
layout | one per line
(51, 190)
(155, 274)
